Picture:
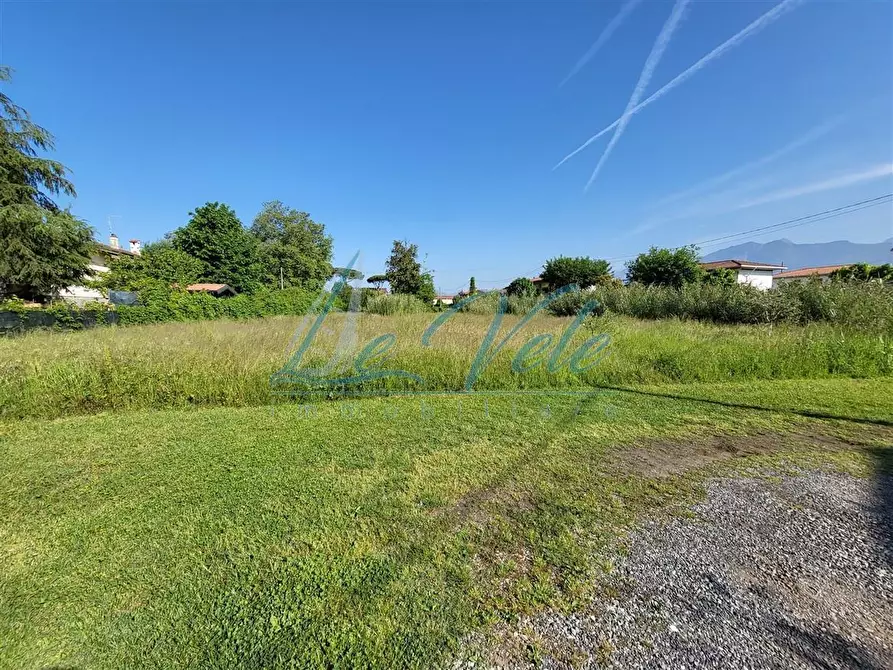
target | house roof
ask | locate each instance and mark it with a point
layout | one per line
(818, 271)
(109, 249)
(734, 264)
(207, 287)
(443, 297)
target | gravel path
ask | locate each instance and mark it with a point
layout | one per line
(789, 573)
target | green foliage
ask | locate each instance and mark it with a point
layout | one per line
(216, 237)
(868, 305)
(720, 276)
(399, 303)
(666, 267)
(864, 272)
(582, 271)
(377, 280)
(521, 286)
(405, 274)
(159, 262)
(572, 303)
(472, 286)
(291, 240)
(160, 302)
(43, 248)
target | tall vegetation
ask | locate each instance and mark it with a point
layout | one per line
(43, 248)
(666, 267)
(215, 236)
(159, 262)
(864, 272)
(521, 286)
(582, 271)
(294, 249)
(405, 273)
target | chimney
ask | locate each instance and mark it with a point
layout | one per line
(113, 241)
(135, 247)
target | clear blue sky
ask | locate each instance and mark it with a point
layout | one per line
(440, 122)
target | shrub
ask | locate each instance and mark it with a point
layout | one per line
(399, 303)
(521, 286)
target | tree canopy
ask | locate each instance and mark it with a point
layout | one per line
(293, 242)
(666, 267)
(377, 280)
(159, 262)
(228, 252)
(43, 248)
(404, 272)
(582, 271)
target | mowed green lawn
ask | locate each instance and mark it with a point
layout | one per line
(368, 533)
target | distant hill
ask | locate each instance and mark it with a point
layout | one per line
(795, 255)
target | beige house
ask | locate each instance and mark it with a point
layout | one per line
(99, 263)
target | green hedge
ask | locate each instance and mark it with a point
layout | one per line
(162, 304)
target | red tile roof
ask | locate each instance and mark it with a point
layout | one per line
(205, 287)
(819, 271)
(734, 264)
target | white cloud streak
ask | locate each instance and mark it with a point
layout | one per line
(836, 182)
(840, 181)
(763, 21)
(657, 52)
(625, 10)
(811, 136)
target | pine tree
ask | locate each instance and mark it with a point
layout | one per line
(43, 248)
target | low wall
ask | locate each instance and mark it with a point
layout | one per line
(13, 322)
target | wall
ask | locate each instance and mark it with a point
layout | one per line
(761, 279)
(80, 295)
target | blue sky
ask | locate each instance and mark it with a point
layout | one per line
(441, 122)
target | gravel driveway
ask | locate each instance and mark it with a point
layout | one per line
(795, 572)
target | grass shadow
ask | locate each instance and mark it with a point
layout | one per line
(737, 405)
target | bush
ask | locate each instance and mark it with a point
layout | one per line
(570, 304)
(160, 303)
(521, 286)
(399, 303)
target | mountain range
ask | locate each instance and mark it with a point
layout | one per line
(793, 255)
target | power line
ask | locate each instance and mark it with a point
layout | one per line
(792, 223)
(805, 219)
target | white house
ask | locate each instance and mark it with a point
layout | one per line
(99, 262)
(756, 274)
(822, 273)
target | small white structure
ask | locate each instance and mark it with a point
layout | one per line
(99, 263)
(444, 299)
(758, 275)
(821, 272)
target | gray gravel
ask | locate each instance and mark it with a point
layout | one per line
(789, 573)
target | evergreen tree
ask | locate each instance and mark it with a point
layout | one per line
(43, 248)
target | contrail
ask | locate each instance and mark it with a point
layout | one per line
(811, 136)
(767, 18)
(657, 52)
(625, 10)
(880, 171)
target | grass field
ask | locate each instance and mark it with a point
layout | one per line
(373, 532)
(230, 363)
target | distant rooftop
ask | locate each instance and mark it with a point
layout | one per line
(819, 271)
(735, 264)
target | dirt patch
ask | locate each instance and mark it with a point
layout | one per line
(477, 506)
(662, 458)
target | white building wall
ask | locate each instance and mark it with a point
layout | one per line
(761, 279)
(80, 295)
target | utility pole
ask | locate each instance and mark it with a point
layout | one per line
(281, 279)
